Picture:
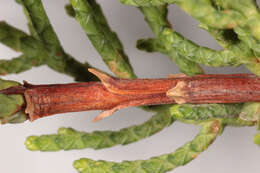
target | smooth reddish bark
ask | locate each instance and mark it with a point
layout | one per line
(112, 94)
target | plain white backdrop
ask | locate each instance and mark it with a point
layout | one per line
(234, 151)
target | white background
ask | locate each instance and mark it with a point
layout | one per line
(234, 151)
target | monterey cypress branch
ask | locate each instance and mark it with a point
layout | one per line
(58, 59)
(89, 14)
(68, 139)
(235, 24)
(156, 17)
(160, 164)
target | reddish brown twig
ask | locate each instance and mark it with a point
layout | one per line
(112, 93)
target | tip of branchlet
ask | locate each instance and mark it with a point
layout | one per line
(31, 144)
